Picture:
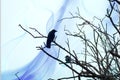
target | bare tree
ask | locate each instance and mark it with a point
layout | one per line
(101, 55)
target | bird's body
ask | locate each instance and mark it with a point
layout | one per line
(68, 59)
(50, 38)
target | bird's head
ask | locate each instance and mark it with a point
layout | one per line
(54, 30)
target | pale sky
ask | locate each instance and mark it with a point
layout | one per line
(16, 44)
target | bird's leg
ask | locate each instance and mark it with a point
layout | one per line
(55, 38)
(52, 44)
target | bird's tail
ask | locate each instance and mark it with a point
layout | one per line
(48, 45)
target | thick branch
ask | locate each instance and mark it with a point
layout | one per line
(59, 60)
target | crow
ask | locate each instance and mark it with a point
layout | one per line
(68, 59)
(51, 36)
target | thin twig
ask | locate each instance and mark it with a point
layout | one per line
(58, 60)
(31, 33)
(16, 74)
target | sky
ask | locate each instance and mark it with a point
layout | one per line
(18, 47)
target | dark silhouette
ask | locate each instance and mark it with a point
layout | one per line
(68, 59)
(50, 38)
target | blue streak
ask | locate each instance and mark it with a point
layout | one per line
(42, 66)
(54, 19)
(39, 69)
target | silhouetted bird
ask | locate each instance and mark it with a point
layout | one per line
(68, 59)
(50, 38)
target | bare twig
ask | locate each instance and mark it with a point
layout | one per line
(16, 74)
(58, 60)
(103, 50)
(32, 34)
